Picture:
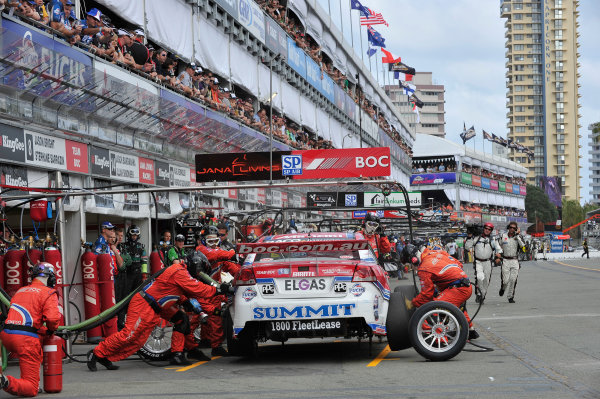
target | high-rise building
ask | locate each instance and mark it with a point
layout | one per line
(595, 162)
(542, 98)
(432, 116)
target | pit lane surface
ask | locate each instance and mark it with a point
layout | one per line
(545, 345)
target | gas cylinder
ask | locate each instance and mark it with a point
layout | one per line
(52, 255)
(107, 291)
(53, 355)
(13, 270)
(31, 257)
(155, 261)
(1, 269)
(89, 271)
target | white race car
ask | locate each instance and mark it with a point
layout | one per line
(306, 286)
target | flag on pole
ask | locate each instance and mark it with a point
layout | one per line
(415, 100)
(389, 58)
(407, 88)
(408, 77)
(356, 5)
(375, 37)
(466, 135)
(372, 18)
(415, 109)
(486, 135)
(371, 51)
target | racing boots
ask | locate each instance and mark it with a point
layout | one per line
(197, 354)
(3, 380)
(501, 292)
(473, 335)
(92, 358)
(219, 351)
(511, 300)
(179, 359)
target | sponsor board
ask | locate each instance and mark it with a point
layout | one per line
(305, 326)
(306, 246)
(377, 199)
(432, 178)
(314, 284)
(12, 143)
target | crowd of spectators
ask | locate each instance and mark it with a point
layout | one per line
(476, 170)
(129, 48)
(492, 210)
(292, 25)
(431, 166)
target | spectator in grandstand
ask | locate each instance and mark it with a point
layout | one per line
(59, 20)
(138, 51)
(275, 10)
(28, 9)
(159, 61)
(186, 78)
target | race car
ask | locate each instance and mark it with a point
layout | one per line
(309, 285)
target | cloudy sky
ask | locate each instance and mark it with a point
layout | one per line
(462, 42)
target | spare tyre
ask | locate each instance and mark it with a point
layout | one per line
(398, 318)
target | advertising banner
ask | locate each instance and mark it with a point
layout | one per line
(296, 57)
(476, 180)
(15, 176)
(494, 185)
(523, 190)
(12, 143)
(162, 174)
(516, 189)
(501, 186)
(124, 167)
(100, 158)
(485, 182)
(328, 88)
(146, 171)
(252, 17)
(230, 6)
(316, 164)
(466, 178)
(509, 187)
(132, 201)
(321, 200)
(432, 178)
(179, 176)
(275, 37)
(313, 73)
(77, 156)
(105, 200)
(395, 199)
(45, 151)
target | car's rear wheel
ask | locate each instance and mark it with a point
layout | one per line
(244, 344)
(158, 344)
(438, 330)
(398, 317)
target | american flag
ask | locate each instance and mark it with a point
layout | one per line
(373, 18)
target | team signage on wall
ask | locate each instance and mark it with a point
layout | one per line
(490, 184)
(315, 164)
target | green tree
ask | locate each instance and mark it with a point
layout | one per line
(590, 206)
(572, 213)
(537, 204)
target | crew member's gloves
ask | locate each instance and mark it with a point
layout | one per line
(225, 288)
(181, 322)
(192, 305)
(498, 261)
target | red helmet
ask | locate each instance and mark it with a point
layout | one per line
(488, 224)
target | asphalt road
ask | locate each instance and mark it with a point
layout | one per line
(545, 345)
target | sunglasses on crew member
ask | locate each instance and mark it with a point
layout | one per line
(512, 227)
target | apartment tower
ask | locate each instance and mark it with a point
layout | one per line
(542, 97)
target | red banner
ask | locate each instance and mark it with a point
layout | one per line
(348, 162)
(509, 187)
(77, 156)
(146, 171)
(476, 180)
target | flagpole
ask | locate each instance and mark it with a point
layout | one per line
(351, 29)
(341, 19)
(362, 53)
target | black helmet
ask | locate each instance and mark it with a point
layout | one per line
(133, 230)
(44, 269)
(197, 262)
(210, 230)
(409, 254)
(371, 217)
(371, 223)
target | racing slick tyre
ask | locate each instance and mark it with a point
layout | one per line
(398, 318)
(244, 345)
(158, 344)
(438, 330)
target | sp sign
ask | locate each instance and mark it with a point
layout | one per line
(291, 165)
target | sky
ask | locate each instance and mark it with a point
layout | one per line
(462, 42)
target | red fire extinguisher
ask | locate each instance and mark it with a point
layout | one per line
(53, 256)
(13, 270)
(53, 355)
(155, 262)
(107, 291)
(89, 271)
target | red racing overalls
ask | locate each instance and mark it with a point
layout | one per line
(219, 260)
(380, 245)
(30, 307)
(438, 269)
(146, 308)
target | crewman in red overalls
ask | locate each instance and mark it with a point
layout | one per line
(157, 300)
(438, 270)
(379, 243)
(219, 262)
(30, 308)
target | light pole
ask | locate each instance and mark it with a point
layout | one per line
(344, 139)
(359, 110)
(271, 117)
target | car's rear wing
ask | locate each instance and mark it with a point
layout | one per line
(301, 246)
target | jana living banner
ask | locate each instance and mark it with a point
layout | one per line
(310, 164)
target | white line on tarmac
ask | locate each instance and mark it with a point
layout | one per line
(539, 316)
